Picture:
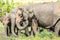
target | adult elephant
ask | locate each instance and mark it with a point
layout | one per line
(47, 14)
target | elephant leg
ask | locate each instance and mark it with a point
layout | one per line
(39, 29)
(32, 32)
(6, 29)
(16, 30)
(19, 32)
(57, 28)
(13, 26)
(27, 31)
(9, 28)
(34, 26)
(5, 23)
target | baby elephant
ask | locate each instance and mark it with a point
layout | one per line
(9, 21)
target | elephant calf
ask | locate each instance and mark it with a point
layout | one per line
(9, 21)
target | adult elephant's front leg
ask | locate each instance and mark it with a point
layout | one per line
(34, 26)
(57, 28)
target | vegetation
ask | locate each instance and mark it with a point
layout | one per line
(5, 7)
(44, 35)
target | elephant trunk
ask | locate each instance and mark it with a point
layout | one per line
(25, 24)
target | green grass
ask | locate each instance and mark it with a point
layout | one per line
(45, 35)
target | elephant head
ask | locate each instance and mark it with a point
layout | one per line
(20, 19)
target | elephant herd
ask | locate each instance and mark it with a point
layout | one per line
(36, 16)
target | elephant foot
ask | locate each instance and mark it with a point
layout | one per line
(14, 34)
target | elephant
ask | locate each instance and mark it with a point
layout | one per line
(47, 14)
(11, 19)
(7, 24)
(24, 23)
(30, 17)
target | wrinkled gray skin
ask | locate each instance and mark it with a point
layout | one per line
(46, 13)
